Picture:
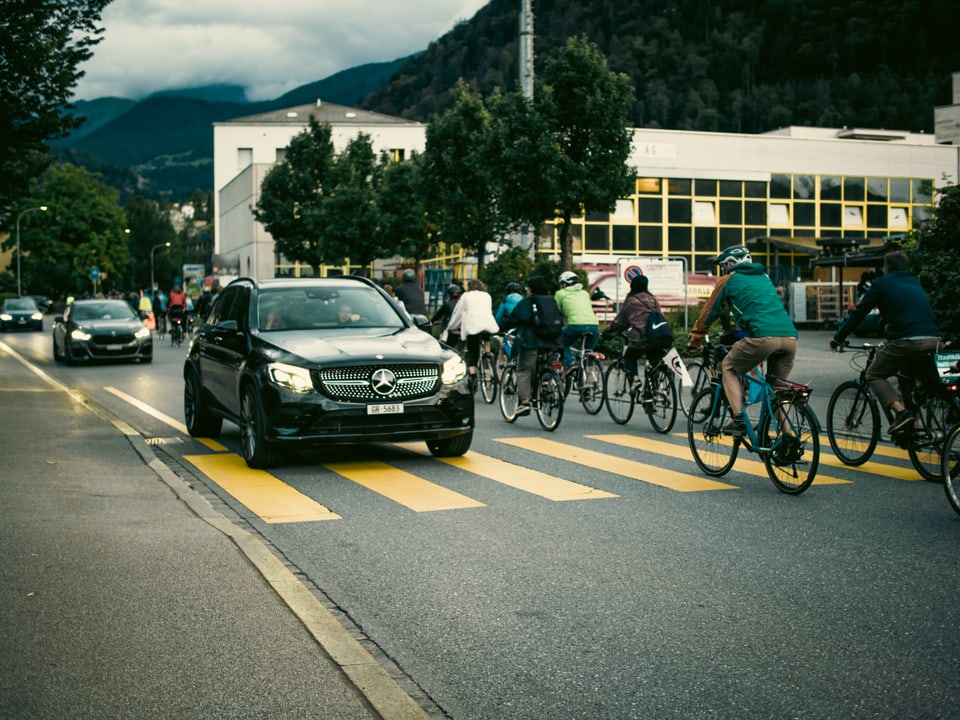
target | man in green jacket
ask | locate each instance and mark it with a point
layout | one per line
(577, 308)
(757, 310)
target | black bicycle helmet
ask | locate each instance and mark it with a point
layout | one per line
(454, 291)
(514, 287)
(733, 256)
(409, 275)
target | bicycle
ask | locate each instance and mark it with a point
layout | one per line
(176, 329)
(702, 370)
(586, 375)
(787, 436)
(547, 386)
(657, 394)
(487, 377)
(853, 416)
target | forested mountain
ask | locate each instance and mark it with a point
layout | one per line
(730, 65)
(711, 65)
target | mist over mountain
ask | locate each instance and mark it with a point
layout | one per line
(736, 66)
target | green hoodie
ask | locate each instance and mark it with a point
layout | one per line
(574, 302)
(754, 302)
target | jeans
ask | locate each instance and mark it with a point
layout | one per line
(571, 336)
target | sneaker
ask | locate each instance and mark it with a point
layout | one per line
(523, 408)
(735, 427)
(636, 386)
(902, 421)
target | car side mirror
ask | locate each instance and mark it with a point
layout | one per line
(228, 326)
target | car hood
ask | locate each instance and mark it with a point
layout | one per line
(106, 326)
(404, 345)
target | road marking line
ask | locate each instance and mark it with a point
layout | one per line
(874, 468)
(681, 482)
(269, 498)
(521, 478)
(152, 411)
(400, 486)
(742, 464)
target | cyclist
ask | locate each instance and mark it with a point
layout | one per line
(514, 295)
(474, 316)
(754, 306)
(632, 317)
(577, 308)
(410, 293)
(531, 336)
(450, 298)
(911, 329)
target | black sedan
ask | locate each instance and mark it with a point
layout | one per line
(20, 314)
(321, 361)
(95, 330)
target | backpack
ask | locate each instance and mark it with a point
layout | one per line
(659, 333)
(547, 319)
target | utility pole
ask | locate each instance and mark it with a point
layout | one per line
(526, 74)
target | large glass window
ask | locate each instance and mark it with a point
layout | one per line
(678, 186)
(780, 187)
(804, 187)
(805, 214)
(651, 239)
(877, 189)
(679, 210)
(731, 188)
(899, 190)
(877, 216)
(730, 236)
(922, 190)
(651, 210)
(731, 212)
(648, 186)
(596, 238)
(754, 213)
(706, 188)
(831, 215)
(705, 239)
(625, 239)
(854, 189)
(830, 188)
(754, 189)
(679, 238)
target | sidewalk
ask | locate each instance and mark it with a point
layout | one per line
(125, 595)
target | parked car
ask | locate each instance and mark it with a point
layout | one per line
(322, 361)
(92, 330)
(20, 314)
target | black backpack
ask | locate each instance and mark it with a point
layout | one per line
(659, 333)
(547, 319)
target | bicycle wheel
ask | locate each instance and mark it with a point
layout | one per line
(617, 394)
(713, 452)
(795, 455)
(950, 468)
(550, 400)
(660, 399)
(853, 423)
(591, 389)
(501, 364)
(508, 393)
(700, 378)
(486, 378)
(936, 415)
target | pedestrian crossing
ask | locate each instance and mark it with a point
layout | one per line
(398, 476)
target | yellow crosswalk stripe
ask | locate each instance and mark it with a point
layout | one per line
(402, 487)
(267, 497)
(871, 467)
(682, 482)
(743, 465)
(526, 479)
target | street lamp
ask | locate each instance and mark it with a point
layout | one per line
(158, 245)
(42, 208)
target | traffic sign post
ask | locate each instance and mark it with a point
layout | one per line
(94, 275)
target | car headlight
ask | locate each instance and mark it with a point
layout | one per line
(453, 370)
(142, 333)
(37, 316)
(290, 377)
(6, 317)
(81, 335)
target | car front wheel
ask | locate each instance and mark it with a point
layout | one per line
(256, 450)
(450, 447)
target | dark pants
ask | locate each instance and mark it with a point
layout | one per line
(893, 357)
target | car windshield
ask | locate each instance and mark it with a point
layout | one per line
(20, 304)
(318, 308)
(107, 310)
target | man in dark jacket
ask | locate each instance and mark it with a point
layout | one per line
(911, 329)
(532, 338)
(411, 294)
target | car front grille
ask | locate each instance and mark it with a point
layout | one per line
(118, 339)
(356, 384)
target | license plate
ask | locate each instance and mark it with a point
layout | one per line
(387, 409)
(114, 348)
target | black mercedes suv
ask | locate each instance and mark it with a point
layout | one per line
(318, 361)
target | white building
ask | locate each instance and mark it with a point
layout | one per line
(696, 192)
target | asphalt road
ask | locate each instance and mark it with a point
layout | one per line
(627, 599)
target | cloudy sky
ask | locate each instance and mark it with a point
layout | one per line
(268, 47)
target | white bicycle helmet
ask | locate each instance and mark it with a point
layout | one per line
(568, 278)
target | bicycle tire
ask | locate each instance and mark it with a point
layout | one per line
(661, 408)
(714, 452)
(700, 378)
(508, 394)
(791, 465)
(550, 400)
(617, 395)
(950, 468)
(937, 414)
(853, 423)
(487, 379)
(591, 386)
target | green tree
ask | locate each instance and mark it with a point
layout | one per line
(291, 199)
(514, 265)
(460, 189)
(84, 227)
(42, 43)
(149, 226)
(935, 258)
(349, 208)
(575, 162)
(403, 218)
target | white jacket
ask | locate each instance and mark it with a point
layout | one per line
(473, 314)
